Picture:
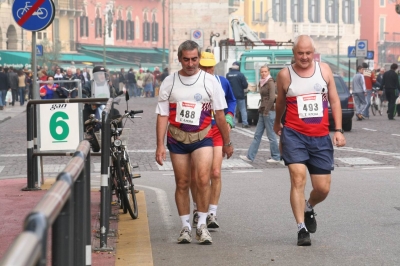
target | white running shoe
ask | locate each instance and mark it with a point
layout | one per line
(203, 236)
(212, 221)
(272, 161)
(244, 158)
(185, 236)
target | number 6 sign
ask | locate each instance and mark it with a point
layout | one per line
(59, 127)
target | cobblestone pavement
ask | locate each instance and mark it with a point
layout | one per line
(371, 143)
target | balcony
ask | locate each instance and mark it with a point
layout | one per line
(68, 7)
(323, 29)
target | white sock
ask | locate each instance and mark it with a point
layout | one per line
(301, 226)
(308, 207)
(212, 209)
(202, 218)
(194, 206)
(186, 221)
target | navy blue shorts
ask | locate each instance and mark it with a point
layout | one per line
(180, 148)
(314, 151)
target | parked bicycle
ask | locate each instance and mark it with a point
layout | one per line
(121, 169)
(376, 101)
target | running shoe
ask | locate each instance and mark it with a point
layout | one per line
(212, 221)
(185, 236)
(270, 160)
(309, 220)
(203, 236)
(195, 218)
(303, 238)
(244, 158)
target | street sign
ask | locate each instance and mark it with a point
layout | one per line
(370, 55)
(351, 51)
(361, 48)
(59, 126)
(197, 36)
(39, 50)
(33, 17)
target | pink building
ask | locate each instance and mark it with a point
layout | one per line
(380, 26)
(131, 31)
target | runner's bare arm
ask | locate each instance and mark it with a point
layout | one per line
(334, 101)
(280, 104)
(221, 124)
(161, 129)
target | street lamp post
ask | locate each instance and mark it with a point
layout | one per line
(338, 6)
(104, 36)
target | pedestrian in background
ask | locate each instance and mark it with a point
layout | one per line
(359, 92)
(164, 74)
(13, 79)
(132, 83)
(369, 77)
(148, 81)
(266, 119)
(4, 87)
(21, 86)
(239, 85)
(390, 83)
(121, 79)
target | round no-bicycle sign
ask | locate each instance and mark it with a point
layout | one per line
(33, 15)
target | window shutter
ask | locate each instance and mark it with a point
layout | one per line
(351, 12)
(283, 9)
(81, 25)
(292, 16)
(118, 29)
(122, 30)
(156, 31)
(318, 11)
(128, 36)
(327, 11)
(301, 11)
(274, 9)
(87, 26)
(144, 31)
(343, 13)
(132, 30)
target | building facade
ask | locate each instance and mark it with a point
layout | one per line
(196, 20)
(380, 26)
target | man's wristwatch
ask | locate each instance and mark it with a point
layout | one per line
(339, 130)
(229, 144)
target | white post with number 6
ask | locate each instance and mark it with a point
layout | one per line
(59, 127)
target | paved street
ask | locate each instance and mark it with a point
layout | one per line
(357, 225)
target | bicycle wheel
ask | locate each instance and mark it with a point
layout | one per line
(126, 185)
(373, 105)
(117, 190)
(379, 105)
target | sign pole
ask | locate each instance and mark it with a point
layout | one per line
(35, 91)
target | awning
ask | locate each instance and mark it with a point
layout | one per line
(123, 49)
(332, 60)
(15, 59)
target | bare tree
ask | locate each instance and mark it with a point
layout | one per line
(51, 53)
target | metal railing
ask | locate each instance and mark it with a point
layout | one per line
(66, 209)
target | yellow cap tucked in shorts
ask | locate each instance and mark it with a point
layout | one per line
(207, 59)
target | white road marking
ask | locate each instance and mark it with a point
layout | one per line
(167, 166)
(246, 171)
(397, 135)
(368, 129)
(13, 155)
(378, 168)
(367, 151)
(357, 161)
(1, 168)
(163, 205)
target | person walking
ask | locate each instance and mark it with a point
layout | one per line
(239, 84)
(378, 83)
(21, 86)
(359, 92)
(185, 103)
(370, 79)
(132, 83)
(266, 119)
(121, 79)
(207, 63)
(305, 89)
(148, 81)
(13, 79)
(390, 82)
(4, 87)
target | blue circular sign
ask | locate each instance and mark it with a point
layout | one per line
(361, 45)
(197, 34)
(35, 15)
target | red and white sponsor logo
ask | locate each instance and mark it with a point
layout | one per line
(189, 105)
(309, 98)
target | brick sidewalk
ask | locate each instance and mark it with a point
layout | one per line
(15, 205)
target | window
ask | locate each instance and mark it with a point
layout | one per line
(41, 35)
(279, 10)
(154, 29)
(130, 28)
(314, 11)
(71, 35)
(261, 11)
(382, 3)
(146, 28)
(348, 11)
(332, 11)
(98, 25)
(382, 29)
(297, 11)
(250, 62)
(84, 24)
(253, 10)
(120, 26)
